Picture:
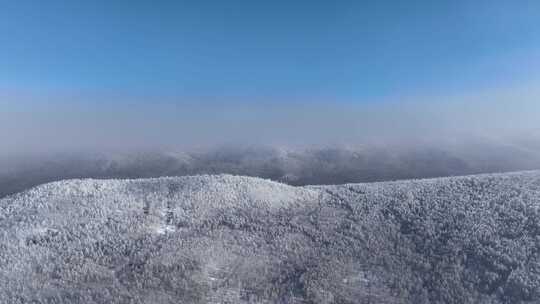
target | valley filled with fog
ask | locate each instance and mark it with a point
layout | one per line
(293, 166)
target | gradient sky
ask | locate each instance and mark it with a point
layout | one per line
(127, 75)
(354, 51)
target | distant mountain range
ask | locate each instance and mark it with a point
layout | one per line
(310, 166)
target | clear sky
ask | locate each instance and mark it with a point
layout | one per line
(119, 74)
(353, 51)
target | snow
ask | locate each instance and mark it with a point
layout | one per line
(233, 239)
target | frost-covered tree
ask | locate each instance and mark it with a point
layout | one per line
(227, 239)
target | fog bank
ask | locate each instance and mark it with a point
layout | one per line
(50, 124)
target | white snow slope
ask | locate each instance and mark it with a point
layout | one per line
(229, 239)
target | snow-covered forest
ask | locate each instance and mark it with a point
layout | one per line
(230, 239)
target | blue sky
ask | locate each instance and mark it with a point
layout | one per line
(131, 75)
(353, 51)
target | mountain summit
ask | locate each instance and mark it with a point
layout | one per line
(231, 239)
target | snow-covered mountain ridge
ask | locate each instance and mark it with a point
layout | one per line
(232, 239)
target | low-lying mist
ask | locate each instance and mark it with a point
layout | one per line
(306, 166)
(297, 143)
